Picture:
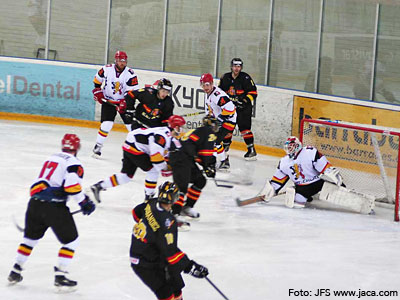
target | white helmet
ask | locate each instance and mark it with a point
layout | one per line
(292, 146)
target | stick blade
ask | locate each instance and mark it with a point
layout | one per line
(249, 201)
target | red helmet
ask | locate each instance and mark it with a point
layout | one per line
(207, 77)
(121, 55)
(70, 142)
(175, 120)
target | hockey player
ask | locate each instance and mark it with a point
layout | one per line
(154, 253)
(304, 166)
(154, 106)
(59, 180)
(117, 79)
(242, 91)
(145, 149)
(195, 146)
(218, 104)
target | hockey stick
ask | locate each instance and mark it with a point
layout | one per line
(109, 102)
(22, 229)
(222, 185)
(255, 199)
(215, 287)
(235, 182)
(193, 114)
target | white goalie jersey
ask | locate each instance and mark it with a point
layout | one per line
(303, 169)
(116, 84)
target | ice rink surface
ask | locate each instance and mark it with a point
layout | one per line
(254, 252)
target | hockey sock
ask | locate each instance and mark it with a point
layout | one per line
(192, 195)
(24, 250)
(219, 149)
(104, 129)
(150, 183)
(248, 137)
(114, 180)
(66, 253)
(177, 206)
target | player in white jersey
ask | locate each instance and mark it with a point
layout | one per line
(117, 79)
(218, 105)
(60, 179)
(144, 148)
(304, 166)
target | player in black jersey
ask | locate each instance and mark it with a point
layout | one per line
(243, 92)
(154, 106)
(195, 146)
(154, 253)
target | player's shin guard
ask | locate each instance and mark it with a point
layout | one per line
(65, 254)
(248, 137)
(150, 183)
(104, 129)
(24, 250)
(115, 180)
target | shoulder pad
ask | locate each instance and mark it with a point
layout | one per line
(131, 71)
(132, 81)
(222, 101)
(78, 169)
(160, 140)
(101, 72)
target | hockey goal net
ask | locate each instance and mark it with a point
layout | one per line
(366, 155)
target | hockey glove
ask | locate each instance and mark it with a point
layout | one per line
(87, 206)
(122, 106)
(210, 170)
(196, 270)
(98, 95)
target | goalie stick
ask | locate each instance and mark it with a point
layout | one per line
(22, 229)
(255, 199)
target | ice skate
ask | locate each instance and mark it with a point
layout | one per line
(62, 283)
(190, 212)
(183, 225)
(96, 189)
(15, 274)
(97, 151)
(251, 153)
(225, 165)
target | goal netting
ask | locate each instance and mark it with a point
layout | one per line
(366, 155)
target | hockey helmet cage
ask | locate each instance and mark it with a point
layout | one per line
(121, 55)
(237, 62)
(168, 193)
(176, 121)
(206, 77)
(212, 122)
(165, 84)
(292, 146)
(70, 142)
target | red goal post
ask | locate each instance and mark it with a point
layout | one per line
(366, 155)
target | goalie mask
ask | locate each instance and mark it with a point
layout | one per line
(168, 193)
(292, 146)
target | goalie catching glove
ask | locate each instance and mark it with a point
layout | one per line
(196, 270)
(332, 175)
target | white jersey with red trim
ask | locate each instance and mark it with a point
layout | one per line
(217, 104)
(154, 142)
(303, 169)
(61, 170)
(116, 84)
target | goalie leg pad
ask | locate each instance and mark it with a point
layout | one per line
(344, 197)
(289, 197)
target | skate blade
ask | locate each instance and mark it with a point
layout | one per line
(96, 156)
(65, 289)
(251, 158)
(12, 283)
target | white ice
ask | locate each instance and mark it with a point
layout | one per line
(253, 252)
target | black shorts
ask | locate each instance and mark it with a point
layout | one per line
(244, 118)
(162, 284)
(185, 172)
(42, 215)
(309, 190)
(109, 112)
(131, 162)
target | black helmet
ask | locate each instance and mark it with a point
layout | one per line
(165, 84)
(236, 61)
(168, 193)
(212, 122)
